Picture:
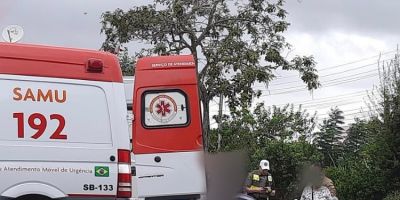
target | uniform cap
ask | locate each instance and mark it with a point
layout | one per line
(264, 164)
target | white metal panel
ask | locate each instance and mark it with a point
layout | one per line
(84, 108)
(67, 177)
(33, 188)
(95, 121)
(177, 174)
(129, 85)
(119, 115)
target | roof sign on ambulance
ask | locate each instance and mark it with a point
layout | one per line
(173, 64)
(13, 33)
(165, 109)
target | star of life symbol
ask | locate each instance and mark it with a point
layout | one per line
(163, 108)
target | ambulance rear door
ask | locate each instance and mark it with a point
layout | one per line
(167, 133)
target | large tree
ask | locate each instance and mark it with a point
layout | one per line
(253, 129)
(265, 133)
(356, 136)
(284, 123)
(389, 112)
(329, 138)
(235, 43)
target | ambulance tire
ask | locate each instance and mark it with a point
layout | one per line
(33, 197)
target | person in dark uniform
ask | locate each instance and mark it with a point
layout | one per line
(259, 182)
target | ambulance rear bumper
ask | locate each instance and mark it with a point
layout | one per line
(179, 197)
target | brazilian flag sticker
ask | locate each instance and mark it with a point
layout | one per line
(101, 171)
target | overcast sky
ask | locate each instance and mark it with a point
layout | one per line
(335, 32)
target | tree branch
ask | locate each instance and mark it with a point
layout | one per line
(209, 26)
(181, 40)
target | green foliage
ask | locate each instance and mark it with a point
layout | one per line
(390, 115)
(287, 162)
(247, 129)
(234, 46)
(329, 138)
(268, 134)
(127, 63)
(356, 136)
(393, 196)
(357, 180)
(371, 167)
(363, 161)
(236, 134)
(283, 123)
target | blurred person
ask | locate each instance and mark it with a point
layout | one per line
(318, 186)
(259, 182)
(225, 174)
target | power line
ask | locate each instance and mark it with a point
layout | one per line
(337, 73)
(357, 61)
(297, 81)
(346, 119)
(348, 70)
(321, 106)
(328, 85)
(336, 80)
(330, 97)
(351, 80)
(334, 99)
(351, 114)
(345, 112)
(330, 80)
(345, 64)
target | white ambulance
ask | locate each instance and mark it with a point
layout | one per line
(64, 124)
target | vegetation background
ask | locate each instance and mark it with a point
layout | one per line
(239, 43)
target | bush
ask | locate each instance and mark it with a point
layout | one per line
(287, 161)
(393, 196)
(354, 180)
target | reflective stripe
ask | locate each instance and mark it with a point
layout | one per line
(124, 189)
(256, 177)
(125, 184)
(124, 169)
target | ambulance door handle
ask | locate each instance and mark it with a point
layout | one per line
(182, 107)
(133, 170)
(157, 159)
(112, 158)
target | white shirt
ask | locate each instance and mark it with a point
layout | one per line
(321, 193)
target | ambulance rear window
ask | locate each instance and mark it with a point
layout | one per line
(165, 108)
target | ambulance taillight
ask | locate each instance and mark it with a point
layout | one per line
(94, 66)
(124, 188)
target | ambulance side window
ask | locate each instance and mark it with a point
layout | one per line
(165, 108)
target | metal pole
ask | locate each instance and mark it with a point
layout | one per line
(221, 103)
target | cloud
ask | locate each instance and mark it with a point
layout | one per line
(61, 23)
(333, 31)
(360, 16)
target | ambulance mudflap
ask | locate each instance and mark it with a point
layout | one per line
(167, 134)
(62, 137)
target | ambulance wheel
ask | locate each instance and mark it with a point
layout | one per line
(33, 197)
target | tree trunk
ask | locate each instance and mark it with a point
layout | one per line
(205, 101)
(206, 123)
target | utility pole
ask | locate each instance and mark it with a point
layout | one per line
(221, 104)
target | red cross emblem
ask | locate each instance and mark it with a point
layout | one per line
(163, 108)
